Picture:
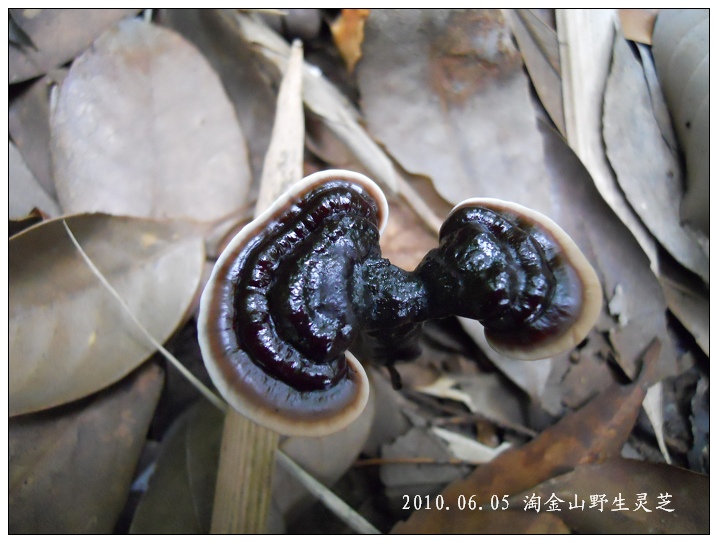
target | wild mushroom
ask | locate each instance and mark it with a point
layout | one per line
(305, 281)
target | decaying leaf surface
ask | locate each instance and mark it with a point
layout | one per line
(24, 191)
(445, 91)
(647, 171)
(70, 469)
(617, 258)
(29, 127)
(214, 32)
(69, 336)
(642, 497)
(180, 494)
(592, 434)
(58, 35)
(144, 128)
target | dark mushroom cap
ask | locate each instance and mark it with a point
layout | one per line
(560, 296)
(273, 324)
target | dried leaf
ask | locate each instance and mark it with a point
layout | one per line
(529, 375)
(681, 50)
(24, 192)
(657, 498)
(616, 256)
(70, 469)
(423, 477)
(653, 406)
(214, 33)
(586, 37)
(467, 449)
(637, 24)
(539, 47)
(283, 163)
(143, 127)
(69, 336)
(326, 459)
(180, 494)
(348, 33)
(647, 171)
(59, 35)
(405, 240)
(333, 115)
(445, 92)
(592, 434)
(29, 127)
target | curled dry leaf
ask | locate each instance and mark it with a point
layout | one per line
(58, 36)
(445, 92)
(144, 128)
(70, 469)
(180, 493)
(69, 336)
(647, 171)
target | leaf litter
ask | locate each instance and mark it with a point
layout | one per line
(577, 405)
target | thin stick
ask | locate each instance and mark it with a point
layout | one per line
(211, 396)
(353, 519)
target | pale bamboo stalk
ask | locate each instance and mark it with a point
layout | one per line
(246, 464)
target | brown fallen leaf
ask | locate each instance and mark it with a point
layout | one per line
(70, 468)
(180, 493)
(641, 498)
(592, 434)
(445, 92)
(58, 36)
(143, 127)
(69, 337)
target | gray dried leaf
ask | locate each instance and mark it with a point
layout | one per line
(58, 35)
(24, 191)
(70, 469)
(539, 48)
(647, 171)
(681, 49)
(144, 128)
(69, 337)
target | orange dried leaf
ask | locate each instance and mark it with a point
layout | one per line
(348, 33)
(592, 434)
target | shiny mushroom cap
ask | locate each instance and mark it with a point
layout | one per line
(276, 315)
(544, 294)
